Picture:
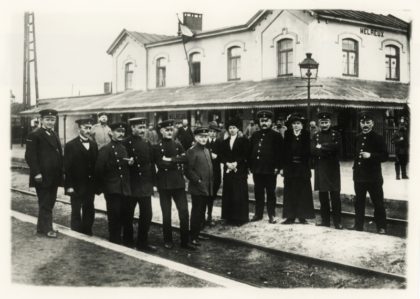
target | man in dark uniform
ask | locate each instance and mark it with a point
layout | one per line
(370, 152)
(199, 172)
(325, 147)
(112, 177)
(80, 156)
(401, 141)
(44, 157)
(142, 175)
(265, 162)
(214, 144)
(169, 157)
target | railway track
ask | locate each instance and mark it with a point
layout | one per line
(398, 226)
(356, 270)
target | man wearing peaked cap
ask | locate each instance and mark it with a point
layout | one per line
(100, 131)
(80, 156)
(142, 178)
(213, 144)
(44, 157)
(199, 172)
(265, 164)
(169, 156)
(370, 152)
(112, 176)
(326, 148)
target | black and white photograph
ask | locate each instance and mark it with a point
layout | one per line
(244, 146)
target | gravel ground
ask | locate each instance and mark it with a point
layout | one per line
(379, 252)
(245, 264)
(66, 261)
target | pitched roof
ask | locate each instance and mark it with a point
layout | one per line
(366, 17)
(280, 92)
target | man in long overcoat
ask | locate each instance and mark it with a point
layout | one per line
(325, 147)
(199, 172)
(45, 160)
(370, 152)
(80, 156)
(142, 177)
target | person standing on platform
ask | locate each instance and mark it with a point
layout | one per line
(325, 148)
(152, 135)
(112, 177)
(370, 152)
(400, 140)
(234, 155)
(214, 145)
(142, 178)
(101, 132)
(80, 156)
(185, 135)
(45, 160)
(298, 202)
(170, 158)
(199, 172)
(266, 151)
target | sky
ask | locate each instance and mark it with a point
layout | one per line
(72, 41)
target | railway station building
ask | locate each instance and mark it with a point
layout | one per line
(364, 64)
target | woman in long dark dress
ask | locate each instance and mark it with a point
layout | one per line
(233, 155)
(298, 201)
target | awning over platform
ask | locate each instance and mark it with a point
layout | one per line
(282, 92)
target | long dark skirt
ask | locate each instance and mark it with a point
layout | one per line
(235, 207)
(298, 202)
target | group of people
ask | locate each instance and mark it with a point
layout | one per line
(120, 162)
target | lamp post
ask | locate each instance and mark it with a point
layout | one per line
(308, 70)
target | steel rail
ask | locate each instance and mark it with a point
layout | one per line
(303, 258)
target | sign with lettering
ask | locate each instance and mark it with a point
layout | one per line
(370, 31)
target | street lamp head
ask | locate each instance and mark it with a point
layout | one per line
(308, 67)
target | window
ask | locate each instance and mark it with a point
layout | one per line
(195, 61)
(161, 72)
(392, 63)
(350, 57)
(129, 68)
(234, 63)
(285, 57)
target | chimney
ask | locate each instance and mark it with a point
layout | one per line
(194, 21)
(107, 87)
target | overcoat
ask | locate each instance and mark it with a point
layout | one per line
(170, 174)
(44, 155)
(112, 175)
(369, 170)
(143, 171)
(298, 202)
(235, 187)
(199, 171)
(326, 160)
(79, 166)
(400, 139)
(265, 152)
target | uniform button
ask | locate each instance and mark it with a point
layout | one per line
(361, 150)
(115, 153)
(364, 137)
(359, 163)
(259, 151)
(363, 144)
(113, 146)
(134, 150)
(129, 142)
(319, 158)
(166, 169)
(121, 175)
(160, 144)
(119, 168)
(162, 150)
(258, 157)
(89, 176)
(138, 165)
(139, 173)
(118, 160)
(263, 134)
(360, 156)
(297, 139)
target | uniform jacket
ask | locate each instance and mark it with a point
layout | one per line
(401, 146)
(143, 171)
(215, 148)
(44, 156)
(369, 170)
(199, 171)
(239, 153)
(79, 166)
(186, 137)
(326, 160)
(266, 152)
(297, 153)
(170, 174)
(112, 173)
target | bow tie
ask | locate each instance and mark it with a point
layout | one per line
(84, 141)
